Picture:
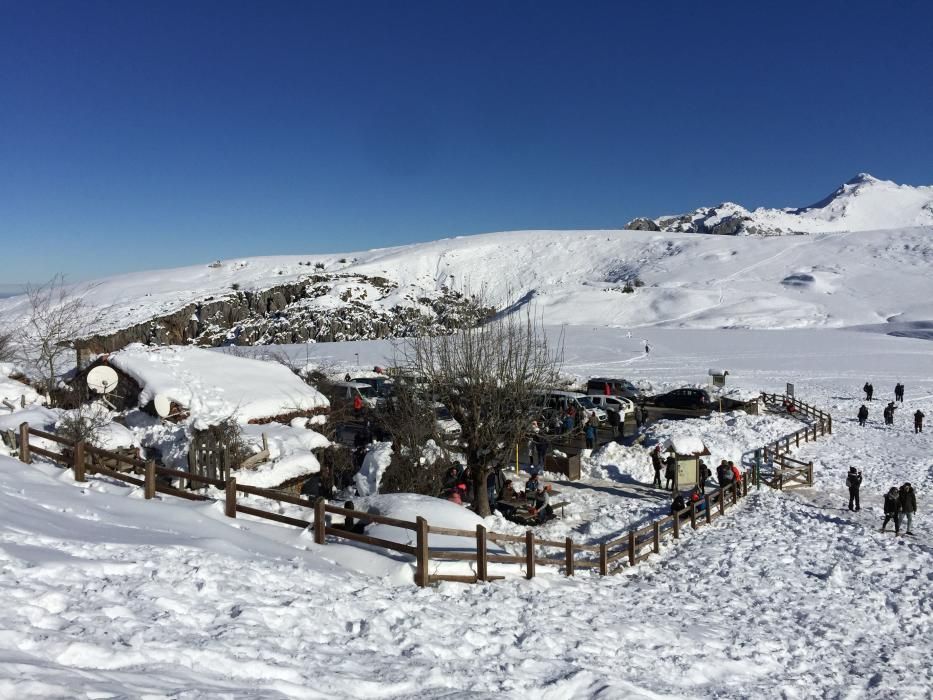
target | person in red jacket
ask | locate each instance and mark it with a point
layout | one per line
(736, 474)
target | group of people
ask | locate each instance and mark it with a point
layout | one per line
(457, 486)
(888, 412)
(898, 502)
(726, 472)
(681, 502)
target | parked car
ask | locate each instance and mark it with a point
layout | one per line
(561, 400)
(683, 398)
(620, 405)
(446, 423)
(348, 391)
(381, 385)
(617, 387)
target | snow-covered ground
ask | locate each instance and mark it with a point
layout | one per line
(789, 596)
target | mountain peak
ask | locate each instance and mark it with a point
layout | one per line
(861, 178)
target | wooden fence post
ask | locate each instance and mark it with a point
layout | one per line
(24, 443)
(722, 501)
(809, 473)
(320, 521)
(149, 486)
(481, 574)
(603, 559)
(631, 548)
(529, 554)
(422, 577)
(657, 536)
(230, 499)
(797, 438)
(77, 460)
(693, 514)
(677, 525)
(709, 513)
(735, 492)
(829, 422)
(568, 556)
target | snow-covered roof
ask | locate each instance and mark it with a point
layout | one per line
(686, 444)
(214, 386)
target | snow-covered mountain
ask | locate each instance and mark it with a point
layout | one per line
(864, 203)
(616, 278)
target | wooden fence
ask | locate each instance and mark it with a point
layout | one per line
(787, 471)
(606, 557)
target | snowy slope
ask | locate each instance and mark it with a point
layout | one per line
(864, 203)
(579, 278)
(791, 596)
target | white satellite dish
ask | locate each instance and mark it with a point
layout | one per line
(102, 379)
(162, 405)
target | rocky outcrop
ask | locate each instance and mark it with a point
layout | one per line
(642, 224)
(289, 313)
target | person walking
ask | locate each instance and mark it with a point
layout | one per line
(542, 446)
(908, 503)
(590, 433)
(647, 348)
(862, 414)
(656, 463)
(854, 482)
(639, 416)
(892, 509)
(616, 421)
(899, 392)
(918, 421)
(869, 390)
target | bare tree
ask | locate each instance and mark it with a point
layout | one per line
(488, 376)
(56, 318)
(408, 419)
(6, 347)
(84, 423)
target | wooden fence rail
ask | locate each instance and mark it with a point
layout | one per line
(628, 550)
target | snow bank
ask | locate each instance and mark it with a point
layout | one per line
(375, 463)
(214, 386)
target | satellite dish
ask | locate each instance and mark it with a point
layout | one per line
(102, 379)
(162, 405)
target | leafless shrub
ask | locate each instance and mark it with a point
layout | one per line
(57, 317)
(7, 352)
(84, 423)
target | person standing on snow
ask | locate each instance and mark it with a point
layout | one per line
(854, 482)
(918, 421)
(899, 392)
(862, 414)
(892, 509)
(889, 413)
(670, 472)
(656, 463)
(908, 503)
(869, 390)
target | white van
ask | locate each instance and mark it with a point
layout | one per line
(561, 400)
(619, 404)
(347, 391)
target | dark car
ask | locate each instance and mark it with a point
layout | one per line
(683, 398)
(381, 385)
(617, 387)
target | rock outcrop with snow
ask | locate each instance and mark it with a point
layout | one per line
(864, 203)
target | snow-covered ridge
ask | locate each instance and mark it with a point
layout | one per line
(616, 278)
(864, 203)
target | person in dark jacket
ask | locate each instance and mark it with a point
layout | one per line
(862, 414)
(918, 421)
(617, 422)
(670, 472)
(703, 474)
(678, 504)
(889, 413)
(656, 463)
(892, 509)
(854, 482)
(869, 390)
(899, 392)
(723, 473)
(908, 504)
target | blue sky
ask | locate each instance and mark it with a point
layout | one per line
(143, 135)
